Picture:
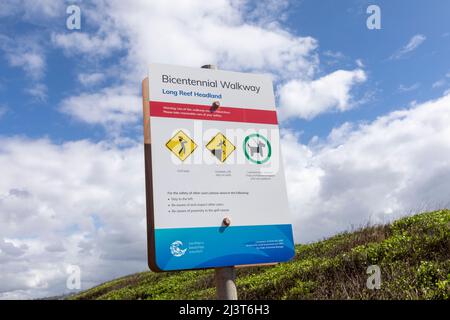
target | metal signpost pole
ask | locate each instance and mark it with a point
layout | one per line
(225, 285)
(225, 277)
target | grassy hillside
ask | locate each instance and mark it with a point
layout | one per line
(413, 254)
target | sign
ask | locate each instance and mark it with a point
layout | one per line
(216, 190)
(254, 148)
(220, 147)
(181, 145)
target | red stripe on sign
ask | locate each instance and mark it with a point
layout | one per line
(202, 112)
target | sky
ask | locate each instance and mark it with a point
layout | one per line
(364, 117)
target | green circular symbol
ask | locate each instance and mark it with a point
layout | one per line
(257, 148)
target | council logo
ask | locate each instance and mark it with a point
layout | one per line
(176, 249)
(257, 148)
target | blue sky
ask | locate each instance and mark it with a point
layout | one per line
(339, 28)
(364, 114)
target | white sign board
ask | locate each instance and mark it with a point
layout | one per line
(213, 164)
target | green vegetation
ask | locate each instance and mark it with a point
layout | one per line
(413, 254)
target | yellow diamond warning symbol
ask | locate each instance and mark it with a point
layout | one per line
(220, 147)
(181, 145)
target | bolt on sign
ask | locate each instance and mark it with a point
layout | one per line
(216, 190)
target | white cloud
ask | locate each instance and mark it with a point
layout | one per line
(333, 57)
(77, 203)
(334, 54)
(412, 45)
(307, 99)
(78, 43)
(25, 53)
(415, 41)
(234, 35)
(30, 9)
(91, 79)
(38, 91)
(89, 199)
(50, 8)
(32, 62)
(359, 63)
(405, 88)
(190, 33)
(372, 172)
(110, 106)
(269, 12)
(194, 33)
(439, 83)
